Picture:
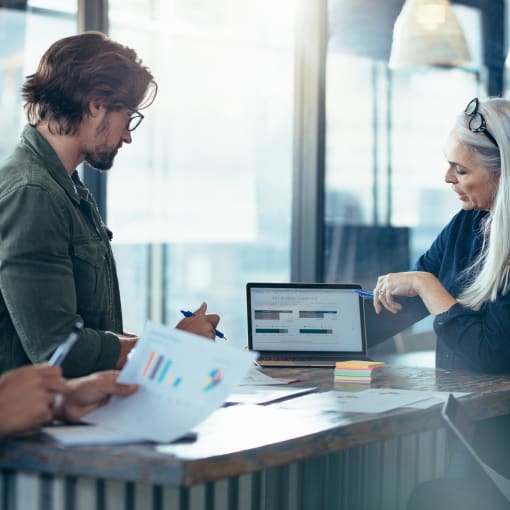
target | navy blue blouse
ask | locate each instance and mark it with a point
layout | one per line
(475, 340)
(466, 339)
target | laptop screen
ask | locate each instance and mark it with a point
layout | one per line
(305, 317)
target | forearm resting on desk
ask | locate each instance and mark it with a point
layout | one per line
(434, 296)
(410, 284)
(380, 327)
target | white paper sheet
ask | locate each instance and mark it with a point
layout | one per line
(89, 434)
(256, 376)
(263, 395)
(373, 400)
(182, 377)
(436, 397)
(243, 427)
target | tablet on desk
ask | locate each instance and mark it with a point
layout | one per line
(305, 324)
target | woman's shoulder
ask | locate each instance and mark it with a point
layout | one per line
(459, 238)
(466, 220)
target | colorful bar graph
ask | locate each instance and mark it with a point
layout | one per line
(157, 369)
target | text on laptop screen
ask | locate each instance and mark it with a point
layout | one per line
(305, 319)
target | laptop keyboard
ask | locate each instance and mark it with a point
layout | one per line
(296, 363)
(295, 356)
(304, 359)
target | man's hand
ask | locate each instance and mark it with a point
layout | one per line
(85, 394)
(26, 396)
(127, 343)
(200, 323)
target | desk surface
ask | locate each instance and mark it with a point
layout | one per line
(251, 441)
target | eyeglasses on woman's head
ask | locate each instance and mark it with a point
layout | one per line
(477, 122)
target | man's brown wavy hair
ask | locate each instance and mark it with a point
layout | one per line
(83, 68)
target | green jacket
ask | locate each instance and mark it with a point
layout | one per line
(56, 264)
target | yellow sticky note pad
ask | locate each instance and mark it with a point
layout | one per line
(359, 364)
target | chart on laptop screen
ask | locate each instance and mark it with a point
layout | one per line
(306, 319)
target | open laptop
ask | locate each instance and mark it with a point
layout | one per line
(305, 324)
(463, 427)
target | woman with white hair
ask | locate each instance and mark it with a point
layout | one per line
(463, 279)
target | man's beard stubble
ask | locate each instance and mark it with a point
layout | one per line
(102, 157)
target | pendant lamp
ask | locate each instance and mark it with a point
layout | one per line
(427, 32)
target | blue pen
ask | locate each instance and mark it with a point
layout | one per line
(219, 334)
(365, 293)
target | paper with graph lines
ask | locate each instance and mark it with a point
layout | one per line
(182, 377)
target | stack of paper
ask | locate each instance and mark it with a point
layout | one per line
(355, 371)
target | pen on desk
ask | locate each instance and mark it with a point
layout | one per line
(63, 349)
(218, 333)
(365, 293)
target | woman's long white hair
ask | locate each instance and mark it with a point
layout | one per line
(490, 271)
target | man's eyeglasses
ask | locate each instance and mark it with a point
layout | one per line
(477, 122)
(134, 120)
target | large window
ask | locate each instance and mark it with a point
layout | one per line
(201, 202)
(25, 33)
(386, 198)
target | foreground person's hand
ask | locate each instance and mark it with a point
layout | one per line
(27, 395)
(85, 394)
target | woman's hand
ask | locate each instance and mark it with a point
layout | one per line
(391, 285)
(409, 284)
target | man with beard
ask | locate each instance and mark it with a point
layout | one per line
(56, 263)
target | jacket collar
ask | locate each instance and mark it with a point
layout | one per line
(40, 146)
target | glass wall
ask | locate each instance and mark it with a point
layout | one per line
(25, 33)
(386, 198)
(200, 203)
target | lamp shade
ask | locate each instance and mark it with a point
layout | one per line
(427, 32)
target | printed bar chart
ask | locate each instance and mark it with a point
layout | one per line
(156, 369)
